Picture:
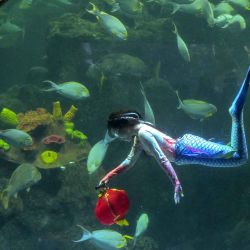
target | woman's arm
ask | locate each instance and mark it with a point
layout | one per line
(127, 163)
(151, 143)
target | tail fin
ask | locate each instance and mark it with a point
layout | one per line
(94, 9)
(176, 7)
(53, 86)
(142, 90)
(85, 236)
(134, 242)
(179, 99)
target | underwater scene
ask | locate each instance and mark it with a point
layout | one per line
(121, 124)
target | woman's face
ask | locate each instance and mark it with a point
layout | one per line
(123, 133)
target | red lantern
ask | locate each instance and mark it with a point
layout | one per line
(112, 207)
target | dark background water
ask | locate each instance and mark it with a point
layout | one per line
(214, 214)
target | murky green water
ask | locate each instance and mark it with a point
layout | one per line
(58, 40)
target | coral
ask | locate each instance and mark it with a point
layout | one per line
(57, 139)
(69, 126)
(73, 26)
(8, 117)
(31, 120)
(57, 111)
(78, 135)
(70, 114)
(4, 145)
(49, 157)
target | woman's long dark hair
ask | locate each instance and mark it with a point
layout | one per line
(123, 119)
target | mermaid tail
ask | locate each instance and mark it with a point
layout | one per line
(191, 149)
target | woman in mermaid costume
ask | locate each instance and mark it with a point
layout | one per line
(188, 149)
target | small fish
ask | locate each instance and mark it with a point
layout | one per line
(110, 23)
(16, 138)
(141, 226)
(223, 8)
(23, 177)
(236, 19)
(96, 156)
(9, 28)
(148, 111)
(72, 90)
(182, 47)
(226, 20)
(240, 3)
(196, 109)
(105, 239)
(131, 7)
(194, 7)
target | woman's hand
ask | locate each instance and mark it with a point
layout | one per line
(103, 183)
(178, 193)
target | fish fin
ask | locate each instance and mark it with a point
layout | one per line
(5, 199)
(128, 237)
(94, 9)
(28, 189)
(134, 242)
(53, 86)
(179, 99)
(115, 7)
(142, 90)
(122, 222)
(176, 7)
(85, 236)
(175, 30)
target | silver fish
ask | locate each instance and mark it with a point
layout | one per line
(72, 90)
(182, 47)
(196, 109)
(16, 138)
(22, 178)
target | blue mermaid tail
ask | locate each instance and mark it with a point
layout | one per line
(191, 149)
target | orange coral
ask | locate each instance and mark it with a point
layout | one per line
(32, 119)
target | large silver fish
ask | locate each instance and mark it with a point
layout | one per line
(16, 138)
(72, 90)
(22, 178)
(196, 109)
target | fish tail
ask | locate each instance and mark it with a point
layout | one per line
(5, 199)
(85, 236)
(179, 99)
(175, 31)
(53, 86)
(176, 7)
(134, 242)
(142, 90)
(94, 9)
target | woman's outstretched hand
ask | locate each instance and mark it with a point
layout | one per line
(178, 193)
(103, 183)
